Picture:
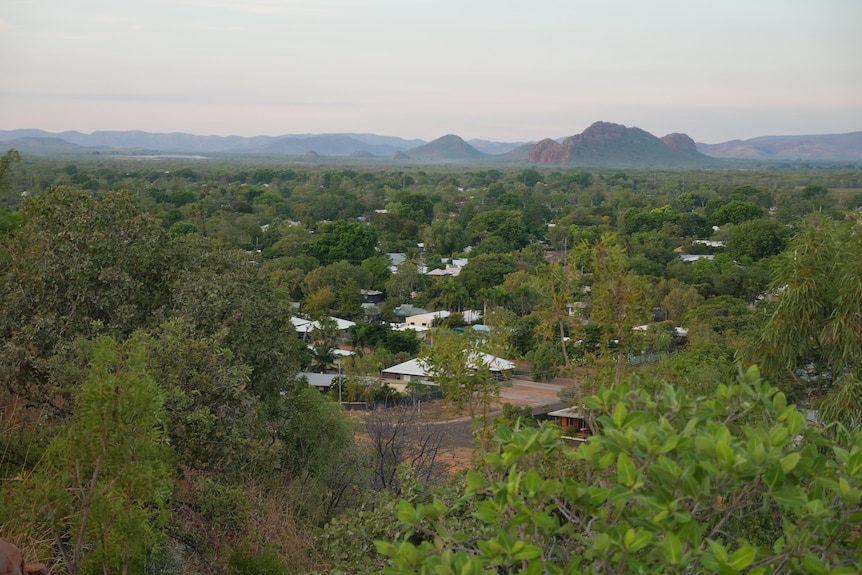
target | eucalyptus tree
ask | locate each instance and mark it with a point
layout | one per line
(813, 335)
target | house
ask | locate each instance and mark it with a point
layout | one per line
(571, 419)
(305, 327)
(710, 243)
(691, 258)
(415, 370)
(372, 295)
(405, 310)
(452, 269)
(426, 319)
(321, 381)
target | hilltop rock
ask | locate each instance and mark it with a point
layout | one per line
(548, 151)
(605, 144)
(680, 142)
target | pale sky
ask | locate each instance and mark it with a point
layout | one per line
(494, 69)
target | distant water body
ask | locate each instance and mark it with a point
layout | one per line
(163, 157)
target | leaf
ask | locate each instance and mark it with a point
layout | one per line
(602, 542)
(774, 478)
(854, 463)
(619, 414)
(486, 512)
(742, 557)
(532, 483)
(789, 461)
(811, 564)
(724, 452)
(475, 481)
(527, 553)
(406, 512)
(672, 547)
(626, 472)
(642, 539)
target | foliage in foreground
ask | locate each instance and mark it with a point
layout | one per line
(738, 483)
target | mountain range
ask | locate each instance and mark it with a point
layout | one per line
(603, 144)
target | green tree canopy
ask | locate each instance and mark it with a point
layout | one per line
(342, 240)
(757, 239)
(736, 212)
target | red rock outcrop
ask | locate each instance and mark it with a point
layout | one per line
(12, 563)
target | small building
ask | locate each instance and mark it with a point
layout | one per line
(305, 327)
(416, 371)
(691, 258)
(425, 319)
(405, 310)
(571, 419)
(321, 381)
(372, 295)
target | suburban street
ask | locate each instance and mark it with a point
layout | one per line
(542, 397)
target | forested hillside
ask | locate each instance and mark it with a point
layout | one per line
(161, 323)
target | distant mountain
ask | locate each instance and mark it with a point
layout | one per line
(324, 144)
(449, 147)
(601, 145)
(520, 154)
(41, 145)
(497, 148)
(604, 144)
(826, 147)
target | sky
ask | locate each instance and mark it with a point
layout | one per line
(492, 69)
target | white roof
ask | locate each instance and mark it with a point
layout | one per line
(412, 367)
(567, 412)
(306, 326)
(416, 366)
(405, 327)
(688, 258)
(337, 351)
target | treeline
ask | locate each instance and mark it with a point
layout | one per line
(153, 420)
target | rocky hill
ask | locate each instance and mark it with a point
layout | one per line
(826, 147)
(447, 148)
(605, 144)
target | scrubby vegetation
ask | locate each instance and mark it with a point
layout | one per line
(155, 420)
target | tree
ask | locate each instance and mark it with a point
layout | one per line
(398, 438)
(216, 289)
(619, 296)
(343, 240)
(735, 212)
(404, 281)
(77, 267)
(734, 483)
(6, 160)
(315, 452)
(403, 341)
(757, 239)
(558, 289)
(485, 271)
(815, 324)
(446, 237)
(324, 336)
(679, 300)
(102, 489)
(459, 367)
(211, 420)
